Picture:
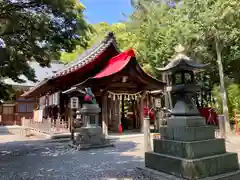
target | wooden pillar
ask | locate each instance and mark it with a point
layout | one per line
(122, 123)
(110, 109)
(141, 111)
(65, 111)
(118, 114)
(138, 108)
(69, 116)
(104, 115)
(113, 114)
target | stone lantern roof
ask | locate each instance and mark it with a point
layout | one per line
(182, 62)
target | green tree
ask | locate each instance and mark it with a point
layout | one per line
(155, 35)
(37, 31)
(98, 33)
(218, 23)
(208, 29)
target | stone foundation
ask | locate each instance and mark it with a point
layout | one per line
(191, 152)
(90, 137)
(158, 175)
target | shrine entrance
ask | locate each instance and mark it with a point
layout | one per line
(122, 87)
(124, 111)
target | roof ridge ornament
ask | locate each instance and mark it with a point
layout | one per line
(181, 61)
(179, 49)
(109, 35)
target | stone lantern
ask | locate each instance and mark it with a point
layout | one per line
(188, 148)
(89, 135)
(183, 86)
(90, 115)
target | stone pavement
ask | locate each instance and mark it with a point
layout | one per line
(35, 160)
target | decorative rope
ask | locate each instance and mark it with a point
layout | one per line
(127, 96)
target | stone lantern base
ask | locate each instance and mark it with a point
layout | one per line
(90, 138)
(190, 151)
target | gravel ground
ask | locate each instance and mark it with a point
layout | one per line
(35, 160)
(55, 161)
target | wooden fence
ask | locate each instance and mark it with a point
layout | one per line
(49, 126)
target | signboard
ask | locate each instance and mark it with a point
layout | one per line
(74, 103)
(158, 102)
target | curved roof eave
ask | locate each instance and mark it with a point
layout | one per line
(85, 58)
(182, 59)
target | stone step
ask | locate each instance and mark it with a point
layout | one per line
(187, 133)
(192, 168)
(158, 175)
(189, 150)
(186, 121)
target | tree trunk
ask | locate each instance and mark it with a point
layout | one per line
(222, 87)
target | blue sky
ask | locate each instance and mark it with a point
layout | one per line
(106, 10)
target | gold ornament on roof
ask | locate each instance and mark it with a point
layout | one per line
(179, 49)
(180, 53)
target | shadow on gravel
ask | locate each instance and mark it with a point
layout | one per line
(58, 161)
(4, 131)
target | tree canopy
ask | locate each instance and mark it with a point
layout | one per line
(98, 33)
(38, 30)
(208, 29)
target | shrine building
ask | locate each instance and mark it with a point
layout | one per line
(117, 80)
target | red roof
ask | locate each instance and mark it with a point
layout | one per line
(116, 64)
(103, 57)
(85, 61)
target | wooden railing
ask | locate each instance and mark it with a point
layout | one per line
(48, 126)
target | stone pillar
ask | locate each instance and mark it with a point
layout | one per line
(221, 125)
(104, 115)
(147, 139)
